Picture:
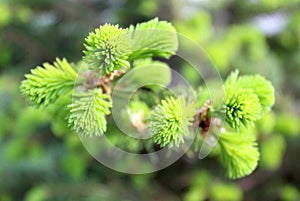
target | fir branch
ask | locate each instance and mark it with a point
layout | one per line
(260, 86)
(107, 49)
(239, 154)
(242, 108)
(45, 84)
(170, 121)
(88, 111)
(153, 38)
(244, 101)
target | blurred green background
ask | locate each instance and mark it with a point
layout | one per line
(40, 161)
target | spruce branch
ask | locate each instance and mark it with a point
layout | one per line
(109, 52)
(45, 84)
(260, 86)
(246, 98)
(88, 111)
(242, 108)
(153, 38)
(170, 121)
(239, 154)
(107, 49)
